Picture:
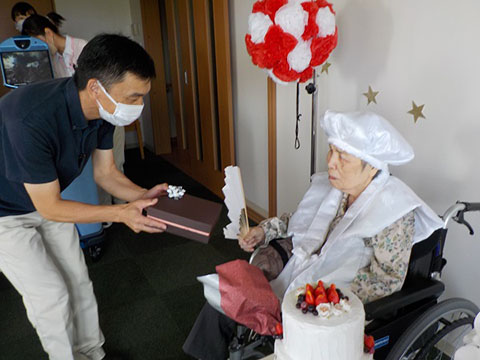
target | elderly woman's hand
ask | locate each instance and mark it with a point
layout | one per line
(255, 236)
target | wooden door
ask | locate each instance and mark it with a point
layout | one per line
(7, 28)
(195, 38)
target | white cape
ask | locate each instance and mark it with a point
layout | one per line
(384, 201)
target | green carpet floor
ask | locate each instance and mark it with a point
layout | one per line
(146, 286)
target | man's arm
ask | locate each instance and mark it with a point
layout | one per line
(109, 178)
(46, 199)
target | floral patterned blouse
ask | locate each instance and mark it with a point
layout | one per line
(391, 253)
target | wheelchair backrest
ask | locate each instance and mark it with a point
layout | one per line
(427, 256)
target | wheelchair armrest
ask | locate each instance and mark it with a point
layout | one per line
(417, 290)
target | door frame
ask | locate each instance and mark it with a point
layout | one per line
(178, 155)
(203, 166)
(158, 93)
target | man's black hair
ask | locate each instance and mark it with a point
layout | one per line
(108, 57)
(22, 8)
(35, 25)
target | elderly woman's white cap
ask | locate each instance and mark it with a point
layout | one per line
(367, 136)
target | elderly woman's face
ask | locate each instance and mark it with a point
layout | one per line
(347, 173)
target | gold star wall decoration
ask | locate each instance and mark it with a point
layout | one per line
(370, 95)
(325, 67)
(417, 111)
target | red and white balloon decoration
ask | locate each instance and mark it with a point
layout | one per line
(288, 38)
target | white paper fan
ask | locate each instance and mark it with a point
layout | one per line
(235, 202)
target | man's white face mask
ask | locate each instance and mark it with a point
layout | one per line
(123, 115)
(19, 25)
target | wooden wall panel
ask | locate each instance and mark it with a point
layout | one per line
(206, 97)
(201, 72)
(224, 82)
(272, 148)
(188, 79)
(173, 38)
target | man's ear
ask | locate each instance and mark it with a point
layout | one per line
(92, 88)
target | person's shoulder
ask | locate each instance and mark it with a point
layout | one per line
(33, 107)
(77, 43)
(394, 185)
(400, 194)
(32, 99)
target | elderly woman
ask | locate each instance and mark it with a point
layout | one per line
(355, 226)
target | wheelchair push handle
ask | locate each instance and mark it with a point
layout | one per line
(470, 206)
(456, 212)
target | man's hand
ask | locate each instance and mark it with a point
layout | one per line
(255, 236)
(156, 191)
(47, 201)
(131, 215)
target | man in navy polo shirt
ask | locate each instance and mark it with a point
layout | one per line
(47, 133)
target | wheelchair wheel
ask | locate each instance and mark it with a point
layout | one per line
(437, 333)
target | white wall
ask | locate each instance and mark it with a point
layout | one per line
(426, 51)
(146, 119)
(250, 110)
(293, 165)
(87, 18)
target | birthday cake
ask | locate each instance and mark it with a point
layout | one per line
(322, 323)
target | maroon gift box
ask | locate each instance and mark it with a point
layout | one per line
(190, 216)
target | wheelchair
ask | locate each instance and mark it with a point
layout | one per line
(410, 324)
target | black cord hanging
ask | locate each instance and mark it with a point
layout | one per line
(311, 88)
(297, 140)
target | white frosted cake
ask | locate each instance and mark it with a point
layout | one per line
(332, 330)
